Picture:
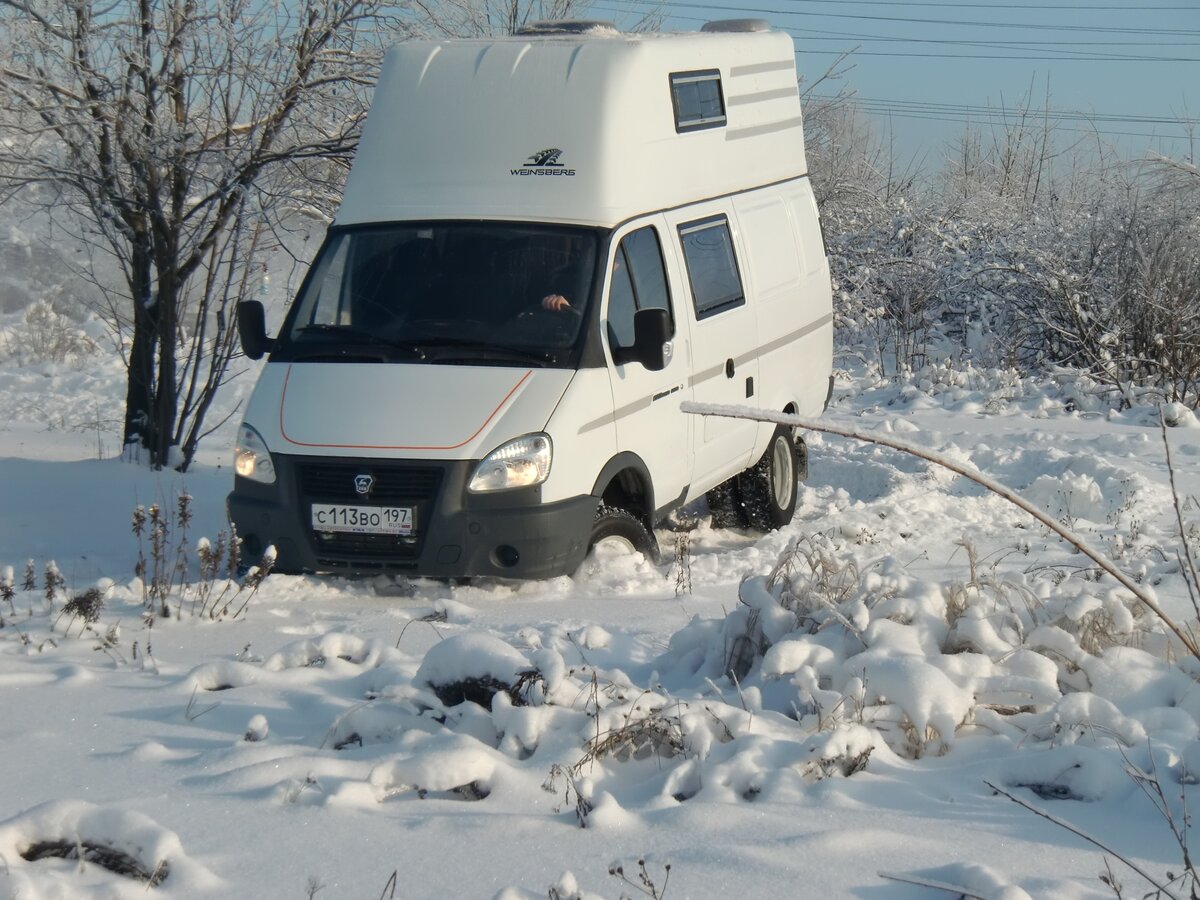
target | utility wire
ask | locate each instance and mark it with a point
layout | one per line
(1099, 29)
(930, 106)
(994, 6)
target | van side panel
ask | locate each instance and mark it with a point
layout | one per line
(815, 303)
(774, 272)
(724, 349)
(584, 435)
(792, 298)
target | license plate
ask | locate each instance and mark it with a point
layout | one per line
(363, 519)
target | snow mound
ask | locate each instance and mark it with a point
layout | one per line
(79, 849)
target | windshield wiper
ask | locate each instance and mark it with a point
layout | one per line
(359, 336)
(485, 350)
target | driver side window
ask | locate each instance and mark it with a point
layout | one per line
(639, 281)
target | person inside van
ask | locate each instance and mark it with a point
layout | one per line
(559, 303)
(556, 303)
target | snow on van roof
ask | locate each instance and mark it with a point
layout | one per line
(592, 126)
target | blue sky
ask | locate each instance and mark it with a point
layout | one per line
(1127, 70)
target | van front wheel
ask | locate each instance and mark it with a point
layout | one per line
(769, 487)
(621, 530)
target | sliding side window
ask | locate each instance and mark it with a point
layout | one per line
(698, 100)
(711, 265)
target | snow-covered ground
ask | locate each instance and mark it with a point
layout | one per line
(907, 645)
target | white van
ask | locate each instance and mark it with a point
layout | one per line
(547, 243)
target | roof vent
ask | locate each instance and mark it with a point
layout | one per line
(736, 26)
(568, 26)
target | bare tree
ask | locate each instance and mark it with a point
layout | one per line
(180, 131)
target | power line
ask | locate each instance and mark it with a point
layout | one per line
(1099, 29)
(859, 36)
(1013, 57)
(930, 106)
(994, 6)
(963, 114)
(1060, 55)
(1055, 51)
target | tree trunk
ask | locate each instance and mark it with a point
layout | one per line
(164, 420)
(139, 385)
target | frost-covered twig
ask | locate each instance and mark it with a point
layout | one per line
(957, 889)
(1063, 823)
(812, 424)
(1189, 577)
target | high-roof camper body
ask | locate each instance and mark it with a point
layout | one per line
(547, 243)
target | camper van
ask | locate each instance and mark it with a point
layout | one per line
(547, 243)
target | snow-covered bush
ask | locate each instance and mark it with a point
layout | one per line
(1013, 255)
(45, 335)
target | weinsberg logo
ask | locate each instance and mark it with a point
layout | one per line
(544, 162)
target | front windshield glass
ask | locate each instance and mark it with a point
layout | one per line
(487, 292)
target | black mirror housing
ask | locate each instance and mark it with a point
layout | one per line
(252, 328)
(651, 331)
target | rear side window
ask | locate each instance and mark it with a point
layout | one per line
(638, 282)
(698, 100)
(711, 265)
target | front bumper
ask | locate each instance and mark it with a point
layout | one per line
(509, 534)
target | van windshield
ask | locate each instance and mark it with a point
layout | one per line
(492, 293)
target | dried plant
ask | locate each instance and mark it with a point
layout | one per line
(641, 736)
(561, 775)
(644, 884)
(85, 608)
(52, 582)
(7, 593)
(683, 563)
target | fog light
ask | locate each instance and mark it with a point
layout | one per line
(506, 556)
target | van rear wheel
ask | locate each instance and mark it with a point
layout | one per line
(621, 530)
(768, 487)
(725, 504)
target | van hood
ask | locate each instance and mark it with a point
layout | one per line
(441, 411)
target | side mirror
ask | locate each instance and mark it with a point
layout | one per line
(252, 329)
(651, 331)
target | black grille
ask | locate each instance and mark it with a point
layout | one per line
(367, 546)
(393, 485)
(334, 483)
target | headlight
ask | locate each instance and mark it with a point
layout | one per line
(251, 458)
(520, 463)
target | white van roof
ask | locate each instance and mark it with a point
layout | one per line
(574, 127)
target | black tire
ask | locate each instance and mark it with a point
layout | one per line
(614, 523)
(768, 487)
(725, 504)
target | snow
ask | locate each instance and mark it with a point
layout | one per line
(908, 640)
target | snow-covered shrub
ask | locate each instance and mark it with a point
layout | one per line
(1118, 298)
(1014, 255)
(45, 335)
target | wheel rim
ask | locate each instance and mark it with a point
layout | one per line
(614, 544)
(783, 472)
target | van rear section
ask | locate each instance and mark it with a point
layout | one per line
(482, 372)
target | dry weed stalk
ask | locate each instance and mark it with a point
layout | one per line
(645, 884)
(828, 582)
(571, 795)
(655, 734)
(984, 588)
(7, 593)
